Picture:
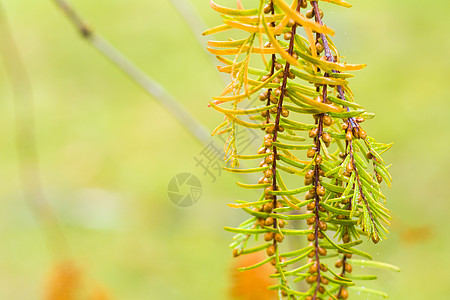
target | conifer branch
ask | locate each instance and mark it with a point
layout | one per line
(340, 193)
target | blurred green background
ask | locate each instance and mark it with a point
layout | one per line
(107, 150)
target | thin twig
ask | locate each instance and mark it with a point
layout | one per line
(148, 84)
(25, 137)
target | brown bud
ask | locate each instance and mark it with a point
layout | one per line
(349, 136)
(311, 237)
(309, 196)
(303, 4)
(362, 134)
(278, 66)
(344, 126)
(311, 220)
(312, 254)
(346, 238)
(308, 181)
(291, 75)
(326, 137)
(375, 238)
(262, 150)
(356, 132)
(273, 261)
(322, 251)
(327, 120)
(339, 264)
(321, 291)
(268, 236)
(318, 159)
(323, 268)
(268, 173)
(311, 153)
(285, 112)
(279, 238)
(369, 155)
(273, 99)
(313, 132)
(313, 268)
(309, 174)
(287, 36)
(281, 223)
(323, 225)
(291, 23)
(269, 221)
(348, 255)
(349, 167)
(310, 14)
(343, 294)
(268, 8)
(269, 159)
(270, 129)
(268, 207)
(348, 268)
(267, 180)
(320, 235)
(320, 190)
(311, 206)
(270, 250)
(268, 143)
(263, 96)
(311, 279)
(319, 47)
(268, 189)
(322, 209)
(277, 92)
(359, 119)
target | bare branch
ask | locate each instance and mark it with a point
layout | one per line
(25, 137)
(152, 87)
